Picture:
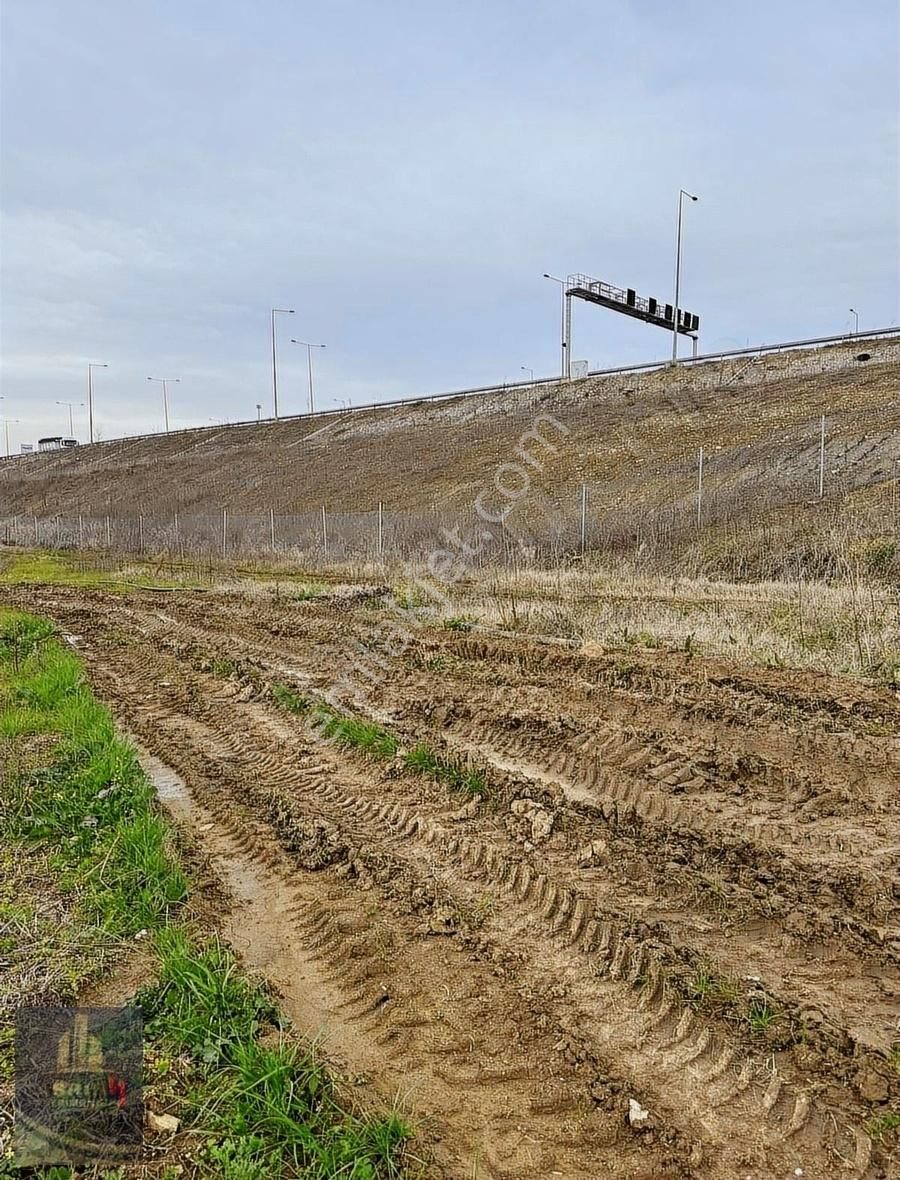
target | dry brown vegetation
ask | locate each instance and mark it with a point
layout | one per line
(632, 439)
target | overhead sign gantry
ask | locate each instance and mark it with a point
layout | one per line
(628, 302)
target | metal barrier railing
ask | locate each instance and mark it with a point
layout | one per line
(645, 366)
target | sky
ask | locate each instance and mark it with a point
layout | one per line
(402, 174)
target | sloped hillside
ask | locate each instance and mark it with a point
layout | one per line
(632, 439)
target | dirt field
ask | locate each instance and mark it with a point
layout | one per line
(675, 895)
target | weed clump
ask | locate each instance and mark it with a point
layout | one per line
(268, 1107)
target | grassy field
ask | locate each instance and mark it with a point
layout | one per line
(89, 868)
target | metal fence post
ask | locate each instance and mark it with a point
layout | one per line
(34, 519)
(80, 531)
(272, 529)
(140, 533)
(700, 489)
(583, 516)
(324, 531)
(822, 459)
(224, 532)
(108, 533)
(380, 528)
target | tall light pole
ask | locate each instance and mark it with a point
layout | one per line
(165, 384)
(525, 369)
(91, 368)
(7, 422)
(563, 343)
(682, 193)
(276, 311)
(309, 348)
(70, 405)
(855, 314)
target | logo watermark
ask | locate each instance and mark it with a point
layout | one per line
(78, 1096)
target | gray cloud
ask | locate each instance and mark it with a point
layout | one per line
(402, 174)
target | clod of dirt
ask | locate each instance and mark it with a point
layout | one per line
(162, 1124)
(871, 1085)
(468, 810)
(592, 854)
(637, 1116)
(442, 921)
(541, 825)
(522, 806)
(540, 819)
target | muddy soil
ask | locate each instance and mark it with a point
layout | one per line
(678, 893)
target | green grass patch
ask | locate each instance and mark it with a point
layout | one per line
(265, 1107)
(883, 1126)
(424, 760)
(307, 592)
(86, 798)
(349, 732)
(761, 1017)
(49, 569)
(458, 623)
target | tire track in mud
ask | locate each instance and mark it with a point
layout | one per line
(628, 776)
(632, 1004)
(682, 1047)
(396, 1006)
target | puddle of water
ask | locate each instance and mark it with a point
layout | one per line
(171, 789)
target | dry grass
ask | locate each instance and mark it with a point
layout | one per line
(852, 627)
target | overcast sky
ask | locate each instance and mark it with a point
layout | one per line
(403, 173)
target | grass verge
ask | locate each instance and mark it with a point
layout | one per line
(90, 865)
(267, 1107)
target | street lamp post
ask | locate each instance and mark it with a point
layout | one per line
(70, 405)
(855, 315)
(165, 386)
(7, 422)
(563, 342)
(309, 348)
(276, 311)
(682, 193)
(91, 367)
(530, 372)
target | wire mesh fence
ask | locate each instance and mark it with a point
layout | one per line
(678, 502)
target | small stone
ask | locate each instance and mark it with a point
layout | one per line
(522, 806)
(541, 825)
(636, 1113)
(162, 1124)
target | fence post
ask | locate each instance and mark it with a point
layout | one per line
(80, 531)
(822, 459)
(224, 532)
(583, 515)
(272, 529)
(700, 489)
(58, 532)
(140, 533)
(324, 531)
(380, 528)
(108, 533)
(34, 519)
